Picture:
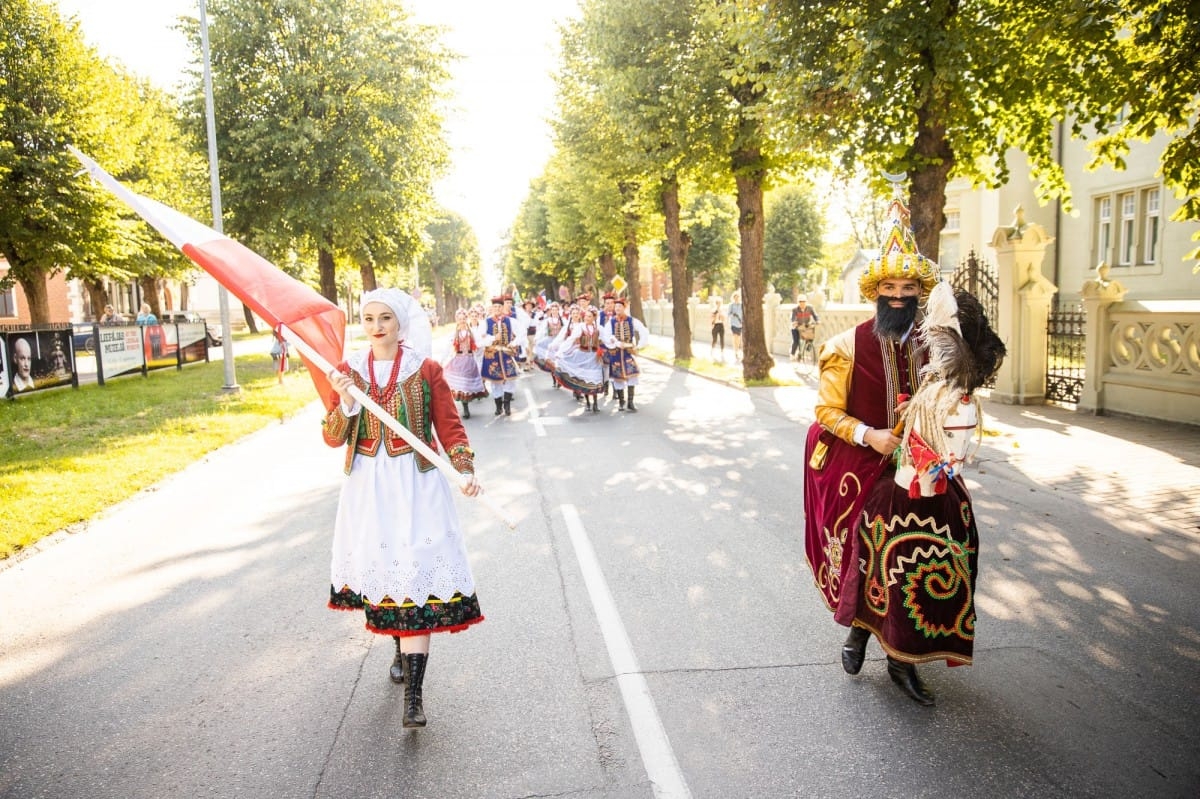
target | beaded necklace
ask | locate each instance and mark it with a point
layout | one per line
(385, 395)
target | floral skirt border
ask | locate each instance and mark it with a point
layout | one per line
(408, 618)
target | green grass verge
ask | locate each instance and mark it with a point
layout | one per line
(70, 453)
(728, 372)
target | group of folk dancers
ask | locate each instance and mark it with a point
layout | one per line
(585, 349)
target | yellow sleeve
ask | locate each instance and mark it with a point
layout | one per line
(833, 390)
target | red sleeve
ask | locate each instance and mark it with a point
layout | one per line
(448, 428)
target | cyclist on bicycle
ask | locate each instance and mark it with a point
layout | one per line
(804, 320)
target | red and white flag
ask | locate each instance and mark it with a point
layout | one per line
(275, 296)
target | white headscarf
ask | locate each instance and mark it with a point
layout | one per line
(415, 331)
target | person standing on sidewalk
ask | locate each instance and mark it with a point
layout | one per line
(718, 330)
(887, 564)
(736, 319)
(398, 547)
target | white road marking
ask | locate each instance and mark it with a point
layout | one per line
(534, 419)
(657, 755)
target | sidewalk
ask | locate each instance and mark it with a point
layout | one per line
(1139, 472)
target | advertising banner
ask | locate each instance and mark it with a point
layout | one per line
(37, 359)
(120, 350)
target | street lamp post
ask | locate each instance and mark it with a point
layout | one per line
(215, 180)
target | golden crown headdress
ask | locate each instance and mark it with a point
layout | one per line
(898, 256)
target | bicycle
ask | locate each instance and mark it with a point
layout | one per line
(806, 356)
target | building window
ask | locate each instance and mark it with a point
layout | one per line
(953, 220)
(1103, 228)
(1151, 208)
(1128, 229)
(8, 303)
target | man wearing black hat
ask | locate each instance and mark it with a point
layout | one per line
(499, 356)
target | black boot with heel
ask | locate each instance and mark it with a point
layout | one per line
(396, 672)
(414, 710)
(854, 651)
(905, 675)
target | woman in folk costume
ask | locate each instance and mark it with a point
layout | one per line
(500, 356)
(462, 372)
(622, 337)
(577, 361)
(888, 564)
(398, 548)
(548, 329)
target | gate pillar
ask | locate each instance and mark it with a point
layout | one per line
(1025, 296)
(1098, 294)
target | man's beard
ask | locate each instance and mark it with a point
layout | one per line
(894, 322)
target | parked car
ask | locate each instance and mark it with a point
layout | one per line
(82, 338)
(184, 317)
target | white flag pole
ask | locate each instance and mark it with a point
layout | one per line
(392, 424)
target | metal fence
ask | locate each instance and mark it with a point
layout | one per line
(1065, 352)
(978, 278)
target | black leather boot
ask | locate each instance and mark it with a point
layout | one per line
(466, 414)
(905, 675)
(854, 651)
(507, 404)
(620, 392)
(396, 672)
(414, 709)
(630, 406)
(595, 404)
(499, 406)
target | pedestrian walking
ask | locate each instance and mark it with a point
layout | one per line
(398, 547)
(888, 564)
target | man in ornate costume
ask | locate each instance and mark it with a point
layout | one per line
(622, 337)
(899, 567)
(500, 356)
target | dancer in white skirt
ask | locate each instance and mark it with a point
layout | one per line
(462, 370)
(398, 548)
(577, 361)
(548, 329)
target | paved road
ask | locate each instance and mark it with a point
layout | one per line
(652, 628)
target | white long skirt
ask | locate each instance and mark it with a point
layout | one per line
(397, 533)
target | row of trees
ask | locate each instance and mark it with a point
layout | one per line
(329, 134)
(665, 106)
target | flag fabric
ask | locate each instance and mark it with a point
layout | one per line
(541, 300)
(275, 296)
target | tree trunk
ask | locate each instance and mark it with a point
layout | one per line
(98, 297)
(678, 243)
(439, 302)
(37, 297)
(149, 286)
(748, 173)
(630, 251)
(366, 272)
(248, 316)
(328, 273)
(927, 202)
(608, 268)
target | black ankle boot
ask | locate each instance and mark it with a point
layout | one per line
(414, 709)
(466, 414)
(854, 651)
(905, 675)
(631, 407)
(499, 407)
(620, 392)
(396, 672)
(507, 404)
